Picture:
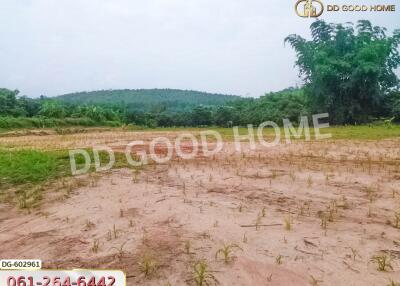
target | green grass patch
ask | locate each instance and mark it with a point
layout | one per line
(25, 174)
(360, 132)
(19, 167)
(366, 132)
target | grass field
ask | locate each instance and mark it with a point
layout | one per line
(30, 159)
(294, 214)
(362, 132)
(373, 131)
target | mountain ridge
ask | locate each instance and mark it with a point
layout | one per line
(144, 99)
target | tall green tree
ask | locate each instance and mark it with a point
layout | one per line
(10, 105)
(52, 109)
(225, 116)
(201, 116)
(348, 71)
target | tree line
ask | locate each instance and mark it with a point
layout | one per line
(289, 103)
(348, 71)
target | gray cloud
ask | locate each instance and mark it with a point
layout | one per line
(53, 47)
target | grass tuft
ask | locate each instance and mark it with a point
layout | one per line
(202, 275)
(226, 250)
(383, 262)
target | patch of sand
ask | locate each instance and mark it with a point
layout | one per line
(184, 211)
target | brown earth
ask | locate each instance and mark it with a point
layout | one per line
(272, 203)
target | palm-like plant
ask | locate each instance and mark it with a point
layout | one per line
(226, 251)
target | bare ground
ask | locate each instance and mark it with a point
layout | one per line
(309, 213)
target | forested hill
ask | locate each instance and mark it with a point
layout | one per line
(356, 84)
(149, 99)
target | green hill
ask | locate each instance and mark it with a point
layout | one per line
(158, 100)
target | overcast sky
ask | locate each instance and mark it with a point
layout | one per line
(54, 47)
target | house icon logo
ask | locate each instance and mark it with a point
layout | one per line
(309, 8)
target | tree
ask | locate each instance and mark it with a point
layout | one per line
(52, 109)
(225, 116)
(95, 112)
(30, 106)
(201, 116)
(395, 106)
(347, 73)
(9, 104)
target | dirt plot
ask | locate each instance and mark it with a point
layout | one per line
(308, 213)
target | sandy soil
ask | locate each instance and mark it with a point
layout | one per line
(309, 213)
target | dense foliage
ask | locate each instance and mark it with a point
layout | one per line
(24, 112)
(289, 103)
(149, 100)
(348, 72)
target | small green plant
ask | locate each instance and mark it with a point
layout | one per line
(301, 210)
(95, 246)
(389, 122)
(397, 219)
(383, 262)
(115, 231)
(314, 281)
(258, 222)
(135, 177)
(309, 181)
(278, 259)
(324, 221)
(288, 223)
(89, 225)
(344, 203)
(226, 252)
(120, 250)
(331, 215)
(22, 200)
(187, 246)
(354, 253)
(148, 265)
(201, 275)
